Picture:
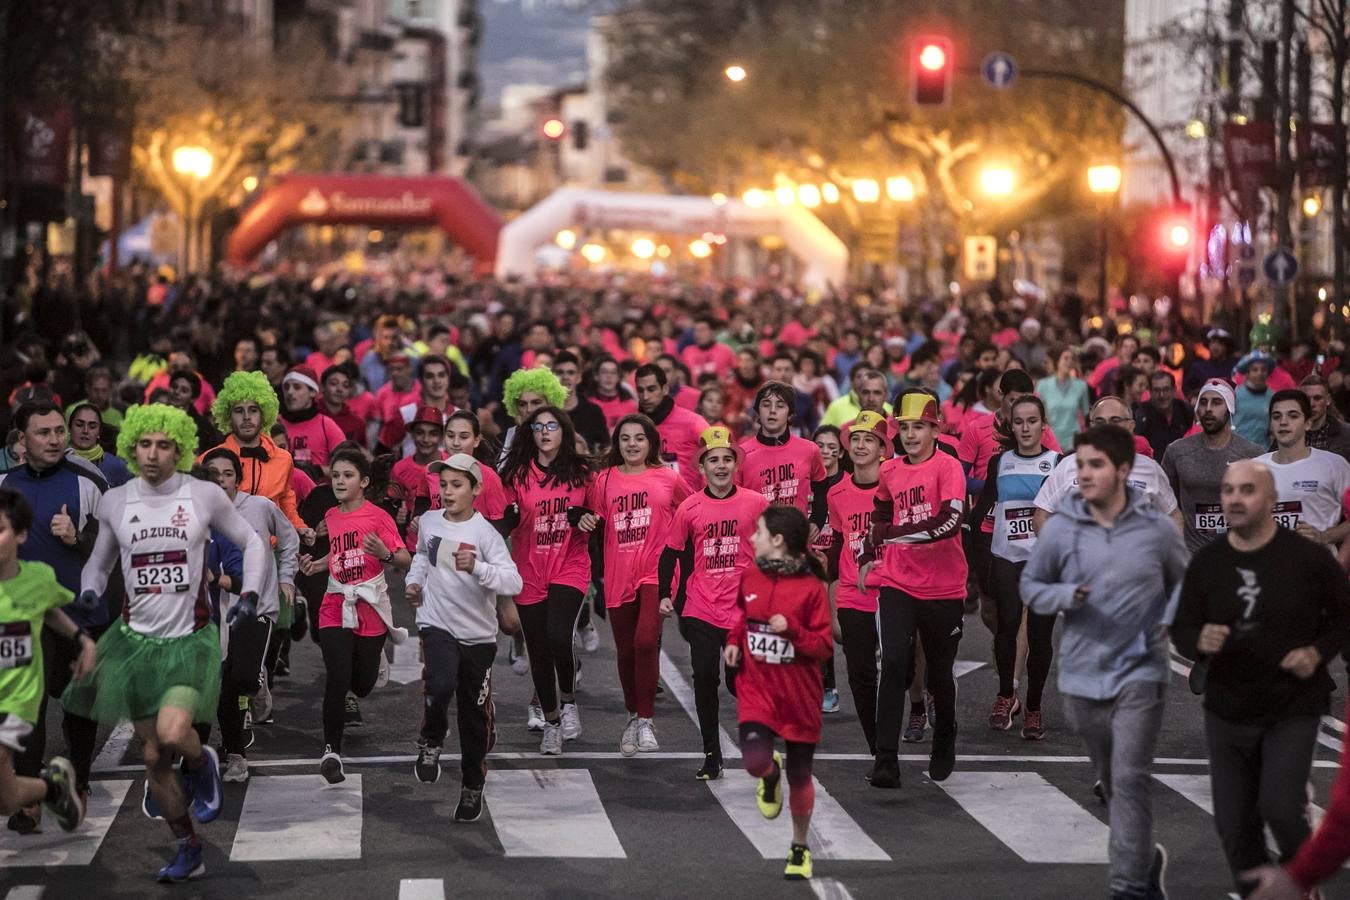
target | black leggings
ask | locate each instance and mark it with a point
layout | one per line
(1005, 579)
(757, 754)
(352, 663)
(859, 631)
(240, 673)
(81, 734)
(548, 627)
(705, 658)
(939, 625)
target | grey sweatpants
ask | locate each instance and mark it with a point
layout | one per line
(1120, 735)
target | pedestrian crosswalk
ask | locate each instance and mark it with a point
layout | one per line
(560, 813)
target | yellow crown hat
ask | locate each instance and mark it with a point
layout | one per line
(918, 408)
(873, 423)
(716, 437)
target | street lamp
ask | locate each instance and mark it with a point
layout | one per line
(1312, 205)
(566, 239)
(1104, 181)
(644, 248)
(900, 189)
(808, 195)
(866, 190)
(997, 181)
(785, 195)
(754, 197)
(593, 254)
(194, 163)
(700, 249)
(735, 73)
(829, 192)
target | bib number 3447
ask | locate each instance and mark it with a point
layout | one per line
(774, 648)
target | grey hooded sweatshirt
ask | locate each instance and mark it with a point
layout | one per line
(1133, 571)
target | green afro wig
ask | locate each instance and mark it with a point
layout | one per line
(242, 386)
(152, 419)
(536, 381)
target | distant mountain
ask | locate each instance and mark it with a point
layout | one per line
(534, 42)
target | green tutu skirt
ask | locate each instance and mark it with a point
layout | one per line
(136, 675)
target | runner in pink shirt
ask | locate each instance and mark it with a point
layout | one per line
(410, 473)
(680, 428)
(609, 393)
(636, 498)
(713, 527)
(310, 434)
(706, 355)
(400, 389)
(546, 482)
(786, 469)
(433, 379)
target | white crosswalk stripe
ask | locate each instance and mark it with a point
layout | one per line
(294, 817)
(833, 835)
(55, 847)
(550, 812)
(1061, 831)
(421, 889)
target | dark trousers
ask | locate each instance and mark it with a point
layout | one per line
(81, 734)
(548, 627)
(351, 663)
(859, 632)
(705, 657)
(1004, 577)
(1258, 775)
(757, 742)
(240, 673)
(938, 624)
(464, 671)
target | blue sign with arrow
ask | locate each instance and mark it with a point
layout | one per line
(999, 70)
(1280, 266)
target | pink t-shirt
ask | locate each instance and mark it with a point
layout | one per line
(720, 530)
(301, 483)
(546, 549)
(719, 359)
(782, 472)
(851, 517)
(614, 408)
(931, 571)
(637, 510)
(388, 400)
(680, 432)
(979, 445)
(349, 563)
(363, 406)
(688, 397)
(311, 442)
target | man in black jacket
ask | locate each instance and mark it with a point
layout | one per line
(1164, 418)
(1262, 609)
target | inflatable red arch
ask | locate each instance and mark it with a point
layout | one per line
(369, 200)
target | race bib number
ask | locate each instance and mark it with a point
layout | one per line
(774, 648)
(1020, 524)
(165, 572)
(16, 645)
(1288, 513)
(1209, 519)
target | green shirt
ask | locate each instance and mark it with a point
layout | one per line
(24, 601)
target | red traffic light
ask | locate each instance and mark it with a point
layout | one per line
(553, 129)
(930, 71)
(1179, 235)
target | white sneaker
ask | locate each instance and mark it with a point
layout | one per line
(646, 737)
(236, 768)
(628, 743)
(520, 663)
(571, 722)
(552, 742)
(534, 718)
(589, 638)
(260, 704)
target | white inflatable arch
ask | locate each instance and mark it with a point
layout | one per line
(824, 257)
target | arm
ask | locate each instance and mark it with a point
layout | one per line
(288, 545)
(813, 637)
(832, 555)
(286, 499)
(1323, 853)
(62, 624)
(222, 516)
(942, 524)
(1333, 635)
(421, 561)
(665, 571)
(1190, 616)
(819, 509)
(90, 494)
(94, 575)
(1042, 589)
(494, 569)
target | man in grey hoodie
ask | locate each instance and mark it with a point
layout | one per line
(1112, 564)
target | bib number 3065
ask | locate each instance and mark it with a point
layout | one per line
(16, 645)
(774, 648)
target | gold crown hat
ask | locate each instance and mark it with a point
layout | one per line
(871, 423)
(717, 437)
(918, 408)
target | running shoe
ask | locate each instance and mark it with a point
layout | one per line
(351, 712)
(830, 702)
(571, 722)
(551, 743)
(27, 820)
(470, 805)
(260, 704)
(628, 743)
(646, 737)
(712, 767)
(520, 663)
(150, 806)
(885, 772)
(299, 623)
(770, 800)
(1005, 710)
(62, 801)
(798, 863)
(187, 863)
(330, 766)
(204, 786)
(914, 730)
(660, 690)
(1157, 874)
(534, 718)
(1032, 729)
(428, 765)
(942, 758)
(588, 638)
(236, 768)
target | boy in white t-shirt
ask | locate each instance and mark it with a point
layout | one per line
(460, 567)
(1310, 484)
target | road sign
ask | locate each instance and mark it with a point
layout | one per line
(981, 257)
(1280, 267)
(1246, 276)
(999, 70)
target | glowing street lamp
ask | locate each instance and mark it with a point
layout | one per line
(719, 199)
(194, 161)
(644, 248)
(808, 195)
(900, 189)
(735, 73)
(593, 253)
(755, 197)
(785, 195)
(829, 192)
(566, 239)
(997, 181)
(866, 190)
(1312, 205)
(700, 249)
(1104, 179)
(250, 183)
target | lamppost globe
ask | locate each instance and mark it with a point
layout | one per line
(1104, 179)
(997, 181)
(193, 161)
(735, 73)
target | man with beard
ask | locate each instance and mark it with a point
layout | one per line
(1195, 464)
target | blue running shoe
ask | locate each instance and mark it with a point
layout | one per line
(150, 806)
(187, 863)
(204, 786)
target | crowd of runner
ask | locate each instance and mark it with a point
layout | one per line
(199, 475)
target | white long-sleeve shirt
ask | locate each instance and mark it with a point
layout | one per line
(461, 603)
(269, 522)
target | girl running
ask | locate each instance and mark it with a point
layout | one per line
(780, 637)
(546, 481)
(829, 442)
(355, 616)
(636, 497)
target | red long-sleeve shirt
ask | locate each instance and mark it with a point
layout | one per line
(784, 696)
(1329, 847)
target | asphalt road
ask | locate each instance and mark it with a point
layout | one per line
(1017, 819)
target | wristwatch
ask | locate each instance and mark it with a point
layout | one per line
(388, 558)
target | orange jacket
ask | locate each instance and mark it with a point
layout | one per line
(270, 478)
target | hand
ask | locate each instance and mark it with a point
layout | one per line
(1080, 595)
(731, 655)
(835, 629)
(1212, 638)
(308, 565)
(863, 571)
(402, 517)
(413, 594)
(87, 601)
(63, 527)
(1311, 533)
(84, 663)
(1302, 661)
(1272, 883)
(778, 623)
(666, 607)
(246, 610)
(321, 530)
(588, 522)
(288, 592)
(375, 547)
(307, 536)
(464, 560)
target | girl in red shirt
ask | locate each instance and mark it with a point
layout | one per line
(546, 481)
(781, 636)
(636, 497)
